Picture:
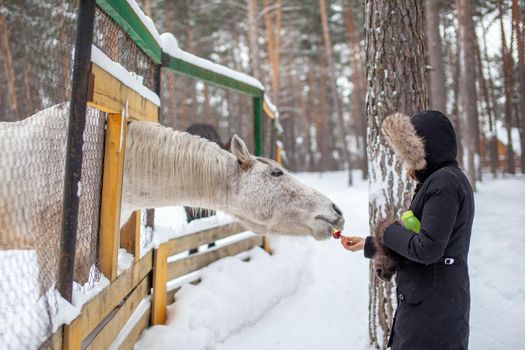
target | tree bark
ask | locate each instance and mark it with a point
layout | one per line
(506, 53)
(521, 68)
(467, 88)
(396, 81)
(333, 84)
(437, 91)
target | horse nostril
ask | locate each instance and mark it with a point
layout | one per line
(337, 210)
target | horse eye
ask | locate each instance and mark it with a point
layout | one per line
(277, 172)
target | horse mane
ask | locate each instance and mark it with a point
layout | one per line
(161, 163)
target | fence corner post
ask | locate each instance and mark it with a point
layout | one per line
(75, 142)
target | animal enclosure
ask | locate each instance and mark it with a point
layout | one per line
(133, 74)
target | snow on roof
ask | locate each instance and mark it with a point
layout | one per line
(129, 79)
(148, 22)
(171, 47)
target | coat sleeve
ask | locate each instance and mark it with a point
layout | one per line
(440, 210)
(370, 248)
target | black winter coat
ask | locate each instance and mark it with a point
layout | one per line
(432, 280)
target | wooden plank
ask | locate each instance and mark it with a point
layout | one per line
(111, 195)
(111, 330)
(135, 333)
(130, 234)
(98, 308)
(110, 95)
(72, 336)
(194, 240)
(158, 300)
(268, 111)
(194, 262)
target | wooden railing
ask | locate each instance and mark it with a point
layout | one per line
(102, 320)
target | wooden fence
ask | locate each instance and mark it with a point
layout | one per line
(138, 297)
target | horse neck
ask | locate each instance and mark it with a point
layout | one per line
(164, 167)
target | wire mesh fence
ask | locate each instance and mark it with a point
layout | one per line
(111, 39)
(31, 190)
(36, 59)
(189, 104)
(186, 101)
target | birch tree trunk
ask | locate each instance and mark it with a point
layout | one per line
(467, 88)
(437, 94)
(333, 84)
(396, 81)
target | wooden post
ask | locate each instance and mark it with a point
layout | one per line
(130, 235)
(72, 336)
(111, 195)
(160, 279)
(266, 245)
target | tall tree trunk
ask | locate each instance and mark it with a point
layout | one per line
(506, 53)
(8, 61)
(521, 67)
(396, 81)
(147, 7)
(325, 133)
(492, 110)
(467, 87)
(437, 92)
(455, 111)
(358, 82)
(273, 40)
(253, 35)
(312, 110)
(333, 84)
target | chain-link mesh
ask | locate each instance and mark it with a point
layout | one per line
(90, 189)
(31, 190)
(118, 46)
(186, 101)
(36, 55)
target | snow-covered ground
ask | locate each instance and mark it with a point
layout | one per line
(314, 295)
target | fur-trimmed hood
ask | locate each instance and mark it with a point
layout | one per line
(426, 141)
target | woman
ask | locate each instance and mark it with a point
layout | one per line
(432, 278)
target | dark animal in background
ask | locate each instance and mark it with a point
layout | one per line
(208, 132)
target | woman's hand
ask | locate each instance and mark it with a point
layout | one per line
(353, 243)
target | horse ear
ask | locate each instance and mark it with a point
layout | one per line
(239, 150)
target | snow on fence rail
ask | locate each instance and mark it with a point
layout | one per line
(116, 264)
